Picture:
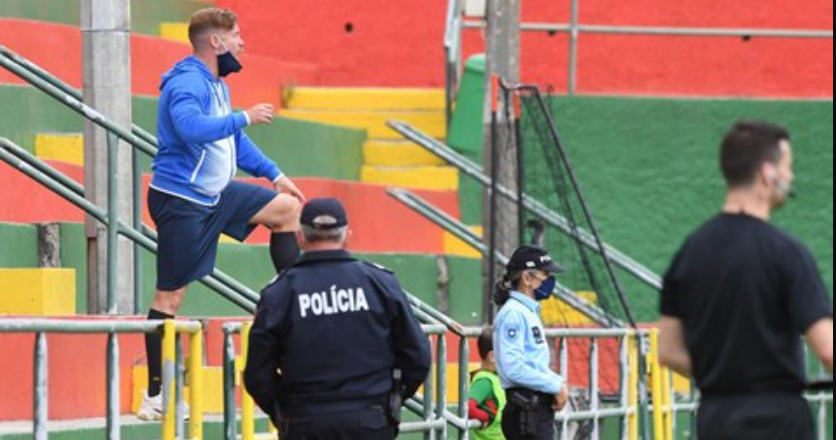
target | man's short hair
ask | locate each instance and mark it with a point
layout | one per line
(316, 235)
(747, 146)
(210, 20)
(485, 343)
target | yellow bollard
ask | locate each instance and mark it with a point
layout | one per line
(656, 387)
(196, 385)
(247, 403)
(667, 377)
(633, 392)
(169, 427)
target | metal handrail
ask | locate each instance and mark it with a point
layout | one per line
(465, 165)
(140, 140)
(66, 88)
(239, 295)
(170, 329)
(461, 231)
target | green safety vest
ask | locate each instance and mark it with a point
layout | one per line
(494, 431)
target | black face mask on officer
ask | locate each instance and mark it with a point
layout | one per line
(227, 63)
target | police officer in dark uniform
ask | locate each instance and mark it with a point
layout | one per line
(335, 346)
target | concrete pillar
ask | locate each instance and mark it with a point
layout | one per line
(503, 59)
(106, 28)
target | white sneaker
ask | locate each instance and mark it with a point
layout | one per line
(151, 408)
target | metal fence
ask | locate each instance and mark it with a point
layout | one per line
(640, 406)
(172, 425)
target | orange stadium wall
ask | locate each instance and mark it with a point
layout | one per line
(381, 43)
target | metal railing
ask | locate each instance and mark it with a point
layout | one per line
(172, 424)
(535, 207)
(456, 24)
(139, 140)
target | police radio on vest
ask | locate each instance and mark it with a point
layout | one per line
(333, 302)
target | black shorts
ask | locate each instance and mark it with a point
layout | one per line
(189, 232)
(755, 417)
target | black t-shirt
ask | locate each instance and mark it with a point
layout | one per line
(746, 292)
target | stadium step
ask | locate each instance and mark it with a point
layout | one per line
(398, 154)
(175, 31)
(374, 121)
(388, 159)
(304, 98)
(62, 147)
(434, 178)
(38, 292)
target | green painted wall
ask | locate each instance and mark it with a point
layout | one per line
(18, 246)
(251, 265)
(26, 112)
(649, 171)
(648, 168)
(303, 149)
(146, 15)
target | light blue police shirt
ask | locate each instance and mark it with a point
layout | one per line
(522, 351)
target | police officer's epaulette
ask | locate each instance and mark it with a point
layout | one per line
(277, 278)
(379, 267)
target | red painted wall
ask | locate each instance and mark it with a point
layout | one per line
(371, 210)
(57, 48)
(400, 44)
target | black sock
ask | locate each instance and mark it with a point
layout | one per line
(284, 250)
(154, 352)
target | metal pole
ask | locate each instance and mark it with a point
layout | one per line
(464, 384)
(106, 31)
(230, 419)
(179, 393)
(114, 431)
(574, 36)
(169, 425)
(137, 224)
(595, 387)
(196, 385)
(41, 417)
(112, 223)
(441, 399)
(503, 61)
(493, 226)
(247, 403)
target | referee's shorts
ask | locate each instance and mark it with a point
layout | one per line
(762, 416)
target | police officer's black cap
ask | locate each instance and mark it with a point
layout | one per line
(324, 214)
(533, 258)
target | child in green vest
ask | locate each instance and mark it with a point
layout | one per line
(487, 398)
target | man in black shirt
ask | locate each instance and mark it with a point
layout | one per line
(740, 295)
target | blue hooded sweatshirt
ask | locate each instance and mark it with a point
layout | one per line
(202, 141)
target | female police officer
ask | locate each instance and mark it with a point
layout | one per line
(534, 391)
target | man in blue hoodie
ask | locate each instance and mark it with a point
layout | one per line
(193, 198)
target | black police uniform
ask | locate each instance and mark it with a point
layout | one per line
(337, 328)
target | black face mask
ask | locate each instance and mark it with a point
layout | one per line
(227, 63)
